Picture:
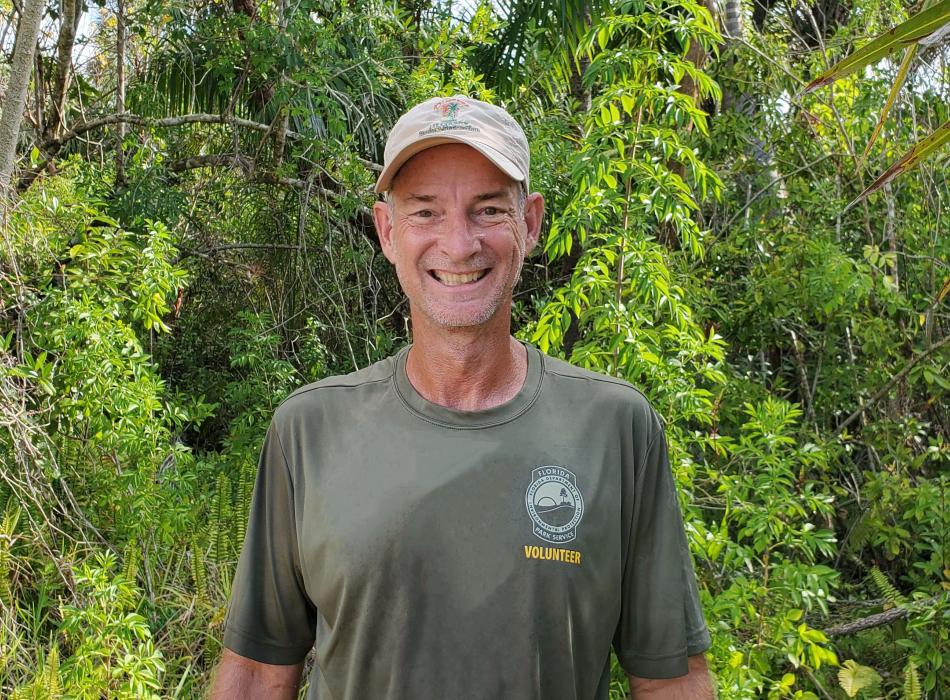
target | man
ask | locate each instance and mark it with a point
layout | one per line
(469, 518)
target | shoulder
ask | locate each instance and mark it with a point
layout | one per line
(337, 389)
(584, 385)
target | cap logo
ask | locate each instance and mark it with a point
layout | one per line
(449, 109)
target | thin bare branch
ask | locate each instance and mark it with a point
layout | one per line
(882, 392)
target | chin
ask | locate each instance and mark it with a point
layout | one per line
(447, 317)
(458, 321)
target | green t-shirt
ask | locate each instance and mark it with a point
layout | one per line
(432, 553)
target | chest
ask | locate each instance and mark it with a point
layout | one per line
(466, 513)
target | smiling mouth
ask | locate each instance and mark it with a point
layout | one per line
(452, 279)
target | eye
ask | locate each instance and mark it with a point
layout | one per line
(424, 214)
(491, 211)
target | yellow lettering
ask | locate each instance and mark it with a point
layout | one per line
(567, 556)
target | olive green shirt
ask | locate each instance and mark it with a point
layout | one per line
(432, 553)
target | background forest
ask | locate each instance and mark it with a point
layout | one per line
(187, 238)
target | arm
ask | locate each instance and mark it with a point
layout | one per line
(695, 685)
(241, 678)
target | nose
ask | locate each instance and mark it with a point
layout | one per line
(460, 239)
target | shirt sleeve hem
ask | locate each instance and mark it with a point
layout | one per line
(698, 642)
(644, 666)
(669, 666)
(265, 652)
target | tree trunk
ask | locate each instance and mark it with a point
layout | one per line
(15, 100)
(696, 55)
(732, 19)
(120, 90)
(583, 97)
(70, 12)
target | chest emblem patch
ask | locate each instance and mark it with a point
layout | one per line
(554, 504)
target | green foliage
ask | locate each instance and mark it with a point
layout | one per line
(854, 678)
(698, 245)
(106, 646)
(932, 19)
(621, 300)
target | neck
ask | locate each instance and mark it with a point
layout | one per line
(466, 369)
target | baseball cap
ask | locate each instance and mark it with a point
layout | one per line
(488, 129)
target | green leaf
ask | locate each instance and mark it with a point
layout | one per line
(853, 677)
(895, 89)
(909, 160)
(918, 27)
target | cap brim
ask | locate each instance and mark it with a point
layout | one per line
(505, 164)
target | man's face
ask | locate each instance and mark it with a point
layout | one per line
(456, 235)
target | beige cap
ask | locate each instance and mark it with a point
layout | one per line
(488, 129)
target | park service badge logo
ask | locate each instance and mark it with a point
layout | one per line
(554, 504)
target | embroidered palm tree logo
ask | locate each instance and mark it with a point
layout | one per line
(449, 109)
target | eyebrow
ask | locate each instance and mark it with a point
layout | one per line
(496, 194)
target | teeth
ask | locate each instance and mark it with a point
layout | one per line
(452, 280)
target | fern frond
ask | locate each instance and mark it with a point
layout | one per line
(199, 569)
(886, 589)
(53, 688)
(860, 533)
(245, 491)
(911, 682)
(130, 568)
(7, 537)
(221, 520)
(5, 493)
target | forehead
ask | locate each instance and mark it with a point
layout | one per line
(450, 168)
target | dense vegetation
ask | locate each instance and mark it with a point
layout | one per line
(189, 240)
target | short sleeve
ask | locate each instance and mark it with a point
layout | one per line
(661, 619)
(270, 618)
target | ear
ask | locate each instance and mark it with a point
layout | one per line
(533, 218)
(382, 219)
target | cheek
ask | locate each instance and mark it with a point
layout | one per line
(517, 233)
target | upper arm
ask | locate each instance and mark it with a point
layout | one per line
(661, 620)
(695, 685)
(240, 678)
(270, 616)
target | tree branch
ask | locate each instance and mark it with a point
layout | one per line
(364, 216)
(882, 392)
(881, 618)
(56, 143)
(245, 165)
(232, 246)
